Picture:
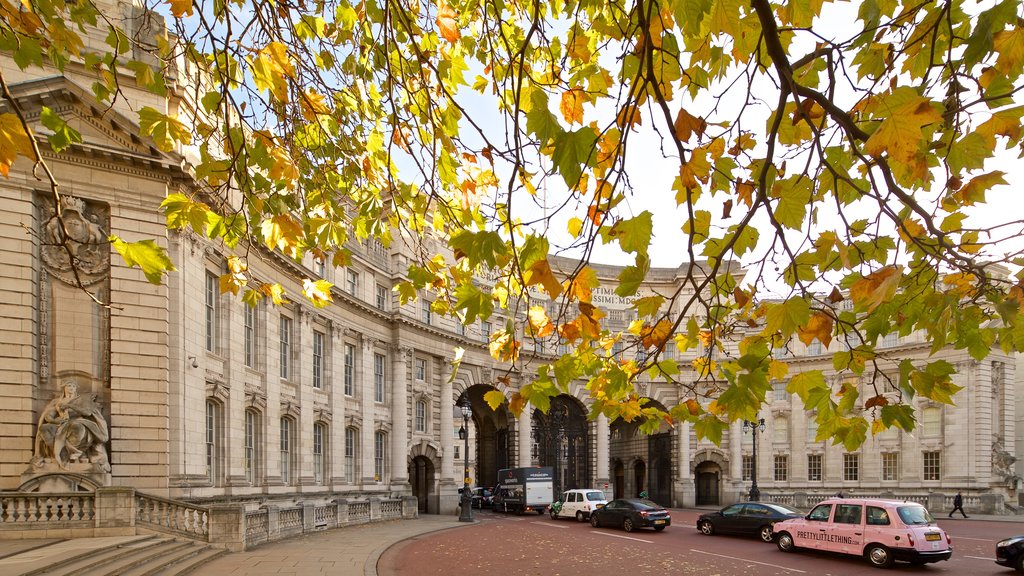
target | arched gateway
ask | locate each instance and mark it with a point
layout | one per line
(561, 439)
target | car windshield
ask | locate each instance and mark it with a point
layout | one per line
(912, 515)
(595, 496)
(783, 509)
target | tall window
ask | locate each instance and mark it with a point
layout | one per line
(748, 467)
(378, 377)
(352, 282)
(779, 391)
(319, 267)
(250, 336)
(421, 416)
(814, 348)
(780, 430)
(427, 313)
(931, 421)
(485, 331)
(380, 444)
(286, 450)
(932, 465)
(851, 467)
(286, 346)
(351, 436)
(212, 293)
(350, 369)
(318, 359)
(781, 467)
(421, 369)
(251, 437)
(890, 465)
(319, 434)
(812, 427)
(890, 340)
(381, 297)
(814, 467)
(212, 471)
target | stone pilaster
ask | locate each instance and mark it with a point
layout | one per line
(400, 415)
(365, 379)
(447, 406)
(525, 433)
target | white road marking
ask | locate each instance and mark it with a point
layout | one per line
(981, 558)
(548, 524)
(621, 536)
(750, 561)
(978, 539)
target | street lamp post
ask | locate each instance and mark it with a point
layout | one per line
(754, 427)
(466, 514)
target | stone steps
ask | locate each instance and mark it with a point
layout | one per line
(147, 555)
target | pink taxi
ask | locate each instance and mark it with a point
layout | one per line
(883, 531)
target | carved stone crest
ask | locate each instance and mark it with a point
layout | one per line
(80, 244)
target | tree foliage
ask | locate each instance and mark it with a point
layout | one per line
(844, 153)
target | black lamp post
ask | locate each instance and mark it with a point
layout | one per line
(754, 427)
(466, 514)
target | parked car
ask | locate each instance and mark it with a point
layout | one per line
(1010, 552)
(630, 514)
(577, 503)
(883, 531)
(747, 519)
(482, 497)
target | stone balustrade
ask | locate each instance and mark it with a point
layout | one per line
(274, 523)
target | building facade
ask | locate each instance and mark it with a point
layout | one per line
(193, 394)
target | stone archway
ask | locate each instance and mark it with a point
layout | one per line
(708, 469)
(639, 477)
(494, 438)
(619, 482)
(423, 466)
(656, 451)
(562, 441)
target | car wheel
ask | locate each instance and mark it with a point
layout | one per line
(659, 528)
(594, 521)
(540, 512)
(785, 542)
(1020, 563)
(579, 516)
(553, 513)
(766, 533)
(879, 556)
(706, 528)
(627, 525)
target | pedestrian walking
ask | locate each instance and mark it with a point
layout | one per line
(958, 504)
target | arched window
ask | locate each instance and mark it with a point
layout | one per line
(351, 454)
(252, 446)
(380, 449)
(287, 449)
(319, 442)
(421, 416)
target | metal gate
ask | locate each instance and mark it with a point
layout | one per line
(562, 440)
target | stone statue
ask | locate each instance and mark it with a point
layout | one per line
(72, 430)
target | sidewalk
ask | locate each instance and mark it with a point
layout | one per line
(351, 551)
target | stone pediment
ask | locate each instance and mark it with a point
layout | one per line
(106, 133)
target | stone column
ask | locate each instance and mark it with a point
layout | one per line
(368, 405)
(603, 454)
(336, 473)
(399, 416)
(525, 436)
(736, 453)
(302, 376)
(685, 494)
(447, 425)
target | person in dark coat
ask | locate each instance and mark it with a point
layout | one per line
(958, 504)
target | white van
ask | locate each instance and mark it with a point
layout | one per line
(577, 504)
(883, 531)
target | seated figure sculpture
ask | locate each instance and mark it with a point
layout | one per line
(71, 430)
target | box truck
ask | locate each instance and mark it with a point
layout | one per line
(523, 490)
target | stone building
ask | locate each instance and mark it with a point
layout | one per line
(187, 393)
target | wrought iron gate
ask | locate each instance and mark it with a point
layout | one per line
(562, 440)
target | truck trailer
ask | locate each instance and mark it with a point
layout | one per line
(524, 490)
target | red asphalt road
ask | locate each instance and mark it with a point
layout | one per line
(538, 546)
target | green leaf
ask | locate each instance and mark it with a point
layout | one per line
(785, 317)
(572, 153)
(709, 427)
(900, 415)
(634, 234)
(474, 302)
(166, 131)
(147, 255)
(63, 134)
(482, 248)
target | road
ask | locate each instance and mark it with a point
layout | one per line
(536, 545)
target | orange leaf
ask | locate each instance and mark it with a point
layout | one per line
(13, 141)
(818, 326)
(658, 334)
(876, 288)
(181, 8)
(572, 105)
(540, 324)
(687, 125)
(448, 23)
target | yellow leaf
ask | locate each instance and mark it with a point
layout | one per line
(572, 105)
(696, 171)
(777, 369)
(900, 133)
(318, 292)
(448, 23)
(692, 406)
(516, 404)
(313, 105)
(13, 141)
(540, 274)
(657, 335)
(687, 125)
(540, 324)
(582, 286)
(819, 327)
(504, 347)
(704, 366)
(1010, 46)
(282, 231)
(275, 292)
(270, 69)
(181, 8)
(575, 227)
(494, 399)
(876, 288)
(629, 117)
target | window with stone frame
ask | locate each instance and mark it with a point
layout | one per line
(319, 340)
(285, 343)
(319, 440)
(250, 332)
(421, 369)
(319, 267)
(812, 426)
(351, 454)
(378, 378)
(350, 369)
(851, 467)
(890, 466)
(485, 331)
(814, 467)
(213, 442)
(381, 297)
(932, 465)
(212, 310)
(427, 313)
(748, 467)
(352, 282)
(780, 430)
(814, 348)
(779, 392)
(781, 467)
(287, 452)
(251, 447)
(931, 422)
(380, 450)
(421, 416)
